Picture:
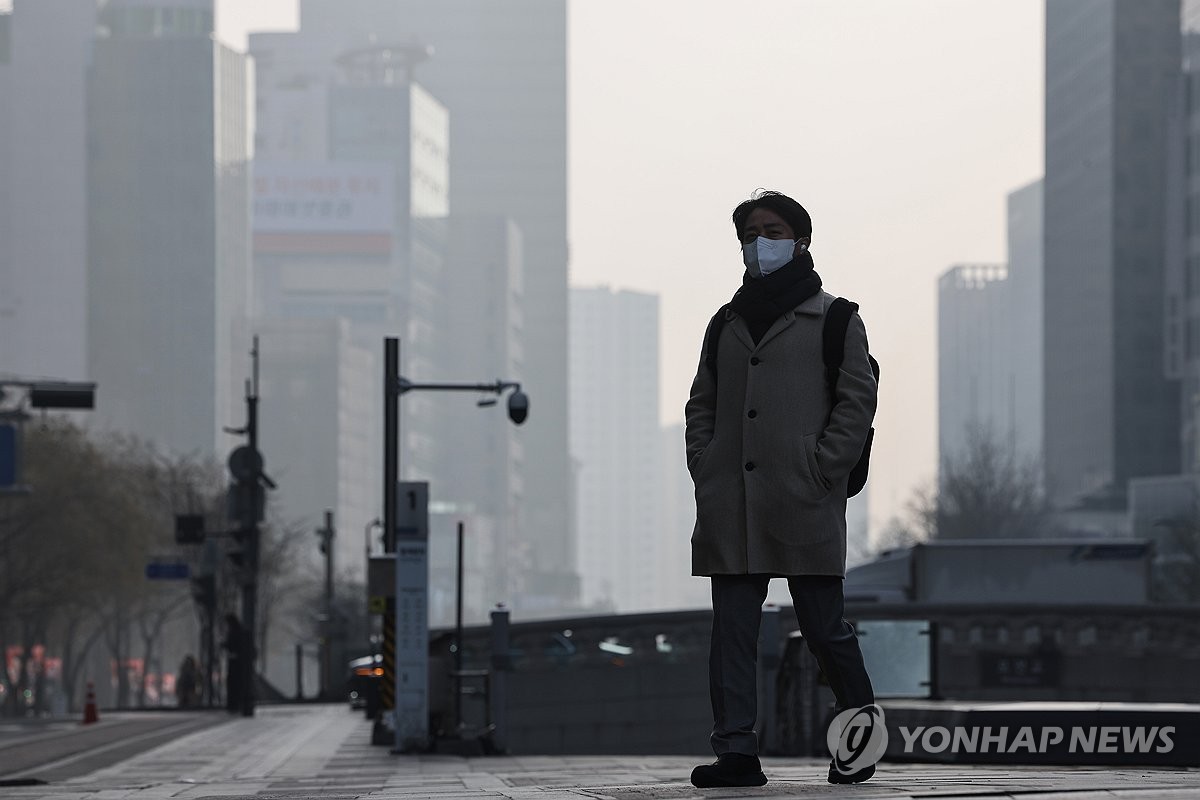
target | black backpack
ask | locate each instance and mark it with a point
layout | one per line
(833, 348)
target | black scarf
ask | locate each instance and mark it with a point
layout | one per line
(761, 301)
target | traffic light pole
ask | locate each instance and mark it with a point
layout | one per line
(327, 534)
(250, 586)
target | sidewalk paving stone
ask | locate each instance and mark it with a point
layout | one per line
(324, 753)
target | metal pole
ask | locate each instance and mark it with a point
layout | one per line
(391, 442)
(299, 671)
(391, 475)
(210, 650)
(250, 589)
(330, 534)
(458, 635)
(327, 535)
(501, 664)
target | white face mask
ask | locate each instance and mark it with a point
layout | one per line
(763, 256)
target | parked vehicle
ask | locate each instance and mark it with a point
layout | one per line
(362, 684)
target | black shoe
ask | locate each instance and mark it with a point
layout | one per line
(854, 777)
(731, 769)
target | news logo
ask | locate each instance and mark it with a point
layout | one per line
(857, 738)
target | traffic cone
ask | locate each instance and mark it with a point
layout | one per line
(90, 714)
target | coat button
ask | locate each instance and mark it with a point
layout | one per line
(752, 413)
(749, 466)
(754, 360)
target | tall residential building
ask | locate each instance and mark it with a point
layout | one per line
(378, 113)
(990, 343)
(480, 472)
(168, 235)
(500, 69)
(1111, 414)
(1026, 317)
(45, 48)
(976, 390)
(315, 428)
(293, 71)
(351, 199)
(615, 438)
(1183, 292)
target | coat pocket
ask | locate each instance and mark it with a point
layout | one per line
(819, 484)
(699, 459)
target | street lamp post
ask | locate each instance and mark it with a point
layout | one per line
(394, 386)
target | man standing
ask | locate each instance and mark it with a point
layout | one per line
(770, 453)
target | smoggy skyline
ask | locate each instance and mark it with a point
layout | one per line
(901, 127)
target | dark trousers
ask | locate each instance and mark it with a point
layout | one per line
(733, 653)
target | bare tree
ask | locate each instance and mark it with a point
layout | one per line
(59, 544)
(280, 577)
(72, 552)
(917, 523)
(987, 491)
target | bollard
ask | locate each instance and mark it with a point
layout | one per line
(501, 665)
(769, 659)
(299, 672)
(90, 714)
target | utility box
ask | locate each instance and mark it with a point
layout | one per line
(381, 583)
(412, 615)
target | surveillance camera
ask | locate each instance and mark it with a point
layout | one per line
(518, 406)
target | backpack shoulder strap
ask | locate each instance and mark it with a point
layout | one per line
(712, 337)
(833, 339)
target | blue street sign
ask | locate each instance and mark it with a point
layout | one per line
(8, 455)
(167, 572)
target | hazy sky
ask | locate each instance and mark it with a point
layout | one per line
(901, 126)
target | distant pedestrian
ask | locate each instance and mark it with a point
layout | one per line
(770, 453)
(187, 682)
(234, 645)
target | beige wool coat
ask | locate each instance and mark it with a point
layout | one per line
(769, 457)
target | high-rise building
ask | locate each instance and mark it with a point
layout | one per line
(1111, 414)
(45, 48)
(976, 392)
(168, 235)
(615, 437)
(480, 453)
(500, 70)
(1025, 317)
(1183, 283)
(354, 230)
(378, 113)
(315, 428)
(990, 343)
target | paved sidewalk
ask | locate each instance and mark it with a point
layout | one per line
(310, 752)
